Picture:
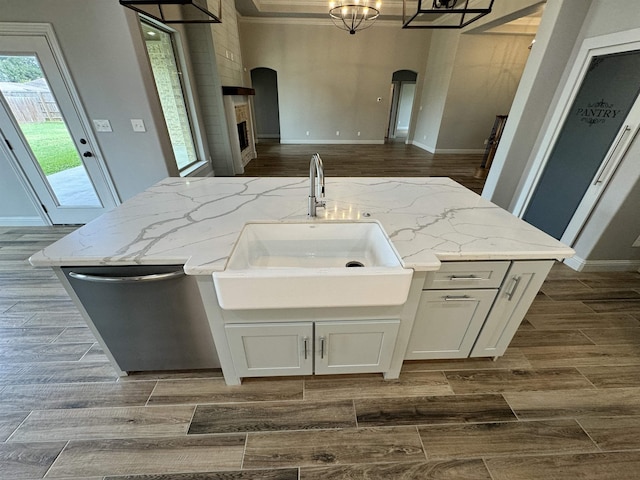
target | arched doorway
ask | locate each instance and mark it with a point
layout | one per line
(265, 103)
(403, 87)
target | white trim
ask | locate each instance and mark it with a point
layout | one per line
(22, 222)
(428, 148)
(331, 142)
(469, 151)
(581, 265)
(602, 45)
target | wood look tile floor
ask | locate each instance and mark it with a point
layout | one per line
(563, 402)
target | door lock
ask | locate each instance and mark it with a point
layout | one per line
(87, 154)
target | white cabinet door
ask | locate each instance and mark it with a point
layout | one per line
(269, 349)
(355, 346)
(447, 323)
(514, 299)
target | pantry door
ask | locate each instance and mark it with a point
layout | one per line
(598, 129)
(44, 130)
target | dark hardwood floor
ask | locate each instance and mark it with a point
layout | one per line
(562, 403)
(388, 160)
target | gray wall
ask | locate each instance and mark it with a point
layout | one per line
(483, 83)
(329, 80)
(107, 60)
(435, 87)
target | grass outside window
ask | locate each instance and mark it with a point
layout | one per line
(52, 146)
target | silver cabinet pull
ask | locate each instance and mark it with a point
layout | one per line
(606, 167)
(155, 277)
(459, 298)
(512, 292)
(464, 277)
(322, 342)
(305, 341)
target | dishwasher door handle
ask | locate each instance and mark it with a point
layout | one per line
(154, 277)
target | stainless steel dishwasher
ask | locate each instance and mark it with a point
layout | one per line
(150, 317)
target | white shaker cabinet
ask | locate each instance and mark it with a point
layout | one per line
(521, 285)
(448, 322)
(303, 348)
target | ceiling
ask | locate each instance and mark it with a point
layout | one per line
(526, 23)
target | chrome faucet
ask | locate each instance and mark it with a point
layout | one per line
(316, 178)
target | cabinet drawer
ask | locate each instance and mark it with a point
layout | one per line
(453, 275)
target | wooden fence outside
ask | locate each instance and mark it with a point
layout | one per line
(31, 107)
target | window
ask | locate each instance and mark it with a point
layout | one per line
(168, 78)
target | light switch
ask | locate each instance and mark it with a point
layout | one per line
(102, 126)
(138, 125)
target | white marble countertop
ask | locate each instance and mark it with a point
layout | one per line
(196, 221)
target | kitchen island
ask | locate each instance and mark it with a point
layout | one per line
(476, 268)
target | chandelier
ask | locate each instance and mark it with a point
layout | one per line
(354, 15)
(443, 13)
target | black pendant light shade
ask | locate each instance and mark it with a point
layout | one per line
(178, 11)
(443, 13)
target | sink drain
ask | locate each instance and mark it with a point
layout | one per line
(354, 263)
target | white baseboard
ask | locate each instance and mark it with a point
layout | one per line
(21, 222)
(467, 151)
(332, 142)
(580, 265)
(428, 148)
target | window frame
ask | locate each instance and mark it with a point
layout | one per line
(188, 96)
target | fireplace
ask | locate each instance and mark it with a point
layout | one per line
(238, 112)
(243, 135)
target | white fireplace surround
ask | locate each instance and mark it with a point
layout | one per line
(237, 110)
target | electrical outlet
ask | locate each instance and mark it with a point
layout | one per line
(102, 126)
(358, 133)
(307, 133)
(337, 133)
(138, 125)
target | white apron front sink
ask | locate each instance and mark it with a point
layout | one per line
(310, 265)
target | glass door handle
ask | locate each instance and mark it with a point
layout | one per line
(606, 164)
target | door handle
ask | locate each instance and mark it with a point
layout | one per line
(464, 277)
(153, 277)
(305, 342)
(606, 167)
(459, 298)
(512, 292)
(322, 342)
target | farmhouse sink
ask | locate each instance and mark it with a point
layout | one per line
(312, 264)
